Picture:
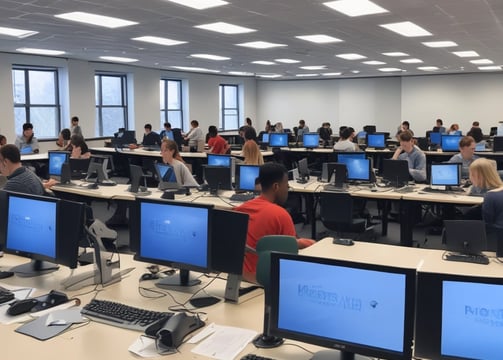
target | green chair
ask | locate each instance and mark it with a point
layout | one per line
(266, 245)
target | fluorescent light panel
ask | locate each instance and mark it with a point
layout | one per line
(118, 59)
(241, 73)
(40, 51)
(270, 76)
(355, 71)
(411, 61)
(159, 40)
(225, 28)
(355, 7)
(306, 75)
(94, 19)
(486, 68)
(200, 4)
(260, 45)
(440, 44)
(373, 62)
(17, 32)
(391, 69)
(313, 67)
(263, 62)
(319, 39)
(351, 56)
(395, 54)
(482, 62)
(466, 53)
(428, 68)
(210, 57)
(193, 68)
(332, 74)
(287, 61)
(407, 28)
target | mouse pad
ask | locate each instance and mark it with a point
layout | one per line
(39, 330)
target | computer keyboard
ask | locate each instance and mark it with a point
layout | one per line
(255, 357)
(405, 189)
(331, 187)
(469, 258)
(121, 315)
(242, 197)
(5, 295)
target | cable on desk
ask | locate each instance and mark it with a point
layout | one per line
(299, 346)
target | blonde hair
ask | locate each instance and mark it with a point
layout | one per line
(486, 170)
(252, 154)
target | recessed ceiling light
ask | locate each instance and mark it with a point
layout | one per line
(407, 28)
(355, 71)
(313, 67)
(482, 62)
(200, 4)
(40, 51)
(440, 44)
(17, 32)
(411, 61)
(270, 76)
(260, 45)
(118, 58)
(351, 56)
(94, 19)
(466, 53)
(191, 68)
(332, 74)
(428, 68)
(319, 39)
(356, 7)
(241, 73)
(485, 68)
(306, 75)
(373, 62)
(263, 62)
(390, 69)
(159, 40)
(225, 28)
(395, 54)
(287, 61)
(210, 57)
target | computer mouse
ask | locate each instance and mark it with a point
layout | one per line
(21, 306)
(92, 186)
(149, 276)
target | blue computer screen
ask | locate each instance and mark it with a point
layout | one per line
(174, 233)
(265, 138)
(311, 140)
(376, 141)
(247, 176)
(31, 226)
(450, 142)
(435, 138)
(445, 174)
(480, 147)
(56, 160)
(347, 304)
(219, 160)
(358, 168)
(472, 320)
(342, 156)
(278, 140)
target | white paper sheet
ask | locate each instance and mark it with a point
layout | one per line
(225, 343)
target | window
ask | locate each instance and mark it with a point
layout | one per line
(36, 100)
(171, 103)
(111, 103)
(229, 108)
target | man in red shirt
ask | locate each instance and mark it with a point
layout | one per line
(216, 143)
(267, 217)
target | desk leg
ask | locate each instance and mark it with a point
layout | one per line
(410, 214)
(311, 205)
(386, 205)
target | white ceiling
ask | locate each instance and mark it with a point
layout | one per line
(472, 24)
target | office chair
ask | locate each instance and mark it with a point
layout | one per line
(266, 245)
(336, 213)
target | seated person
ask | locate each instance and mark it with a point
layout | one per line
(325, 133)
(466, 155)
(251, 153)
(27, 143)
(216, 143)
(483, 176)
(167, 132)
(150, 138)
(404, 126)
(63, 139)
(476, 134)
(19, 178)
(267, 216)
(171, 156)
(79, 148)
(302, 129)
(3, 140)
(439, 127)
(346, 143)
(453, 129)
(414, 156)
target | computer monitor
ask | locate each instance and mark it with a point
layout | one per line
(396, 172)
(376, 140)
(265, 138)
(358, 169)
(176, 234)
(217, 178)
(303, 169)
(450, 142)
(79, 167)
(311, 140)
(498, 143)
(466, 237)
(458, 317)
(246, 176)
(343, 156)
(97, 170)
(435, 138)
(354, 307)
(445, 174)
(56, 160)
(278, 140)
(337, 175)
(219, 160)
(124, 137)
(480, 146)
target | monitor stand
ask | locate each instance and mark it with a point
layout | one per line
(34, 268)
(182, 278)
(337, 355)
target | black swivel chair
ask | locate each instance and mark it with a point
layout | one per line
(178, 138)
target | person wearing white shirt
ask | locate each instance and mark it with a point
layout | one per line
(195, 135)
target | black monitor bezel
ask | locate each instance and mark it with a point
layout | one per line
(497, 143)
(457, 165)
(445, 136)
(220, 171)
(179, 265)
(216, 156)
(238, 176)
(401, 179)
(311, 134)
(67, 158)
(376, 134)
(345, 346)
(272, 135)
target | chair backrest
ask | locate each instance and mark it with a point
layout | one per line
(268, 244)
(200, 145)
(336, 207)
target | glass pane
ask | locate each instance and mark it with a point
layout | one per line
(111, 90)
(161, 95)
(112, 119)
(231, 97)
(175, 119)
(45, 121)
(19, 119)
(18, 86)
(96, 89)
(174, 101)
(97, 122)
(231, 122)
(42, 87)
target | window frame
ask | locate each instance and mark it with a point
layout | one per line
(99, 107)
(223, 108)
(165, 109)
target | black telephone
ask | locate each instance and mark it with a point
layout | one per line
(39, 303)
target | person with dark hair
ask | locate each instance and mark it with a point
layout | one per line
(250, 134)
(453, 129)
(465, 156)
(19, 178)
(3, 140)
(267, 216)
(167, 132)
(345, 142)
(150, 137)
(413, 154)
(63, 139)
(404, 126)
(27, 143)
(216, 143)
(248, 122)
(79, 148)
(476, 134)
(76, 130)
(475, 124)
(325, 132)
(171, 156)
(194, 135)
(439, 127)
(302, 129)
